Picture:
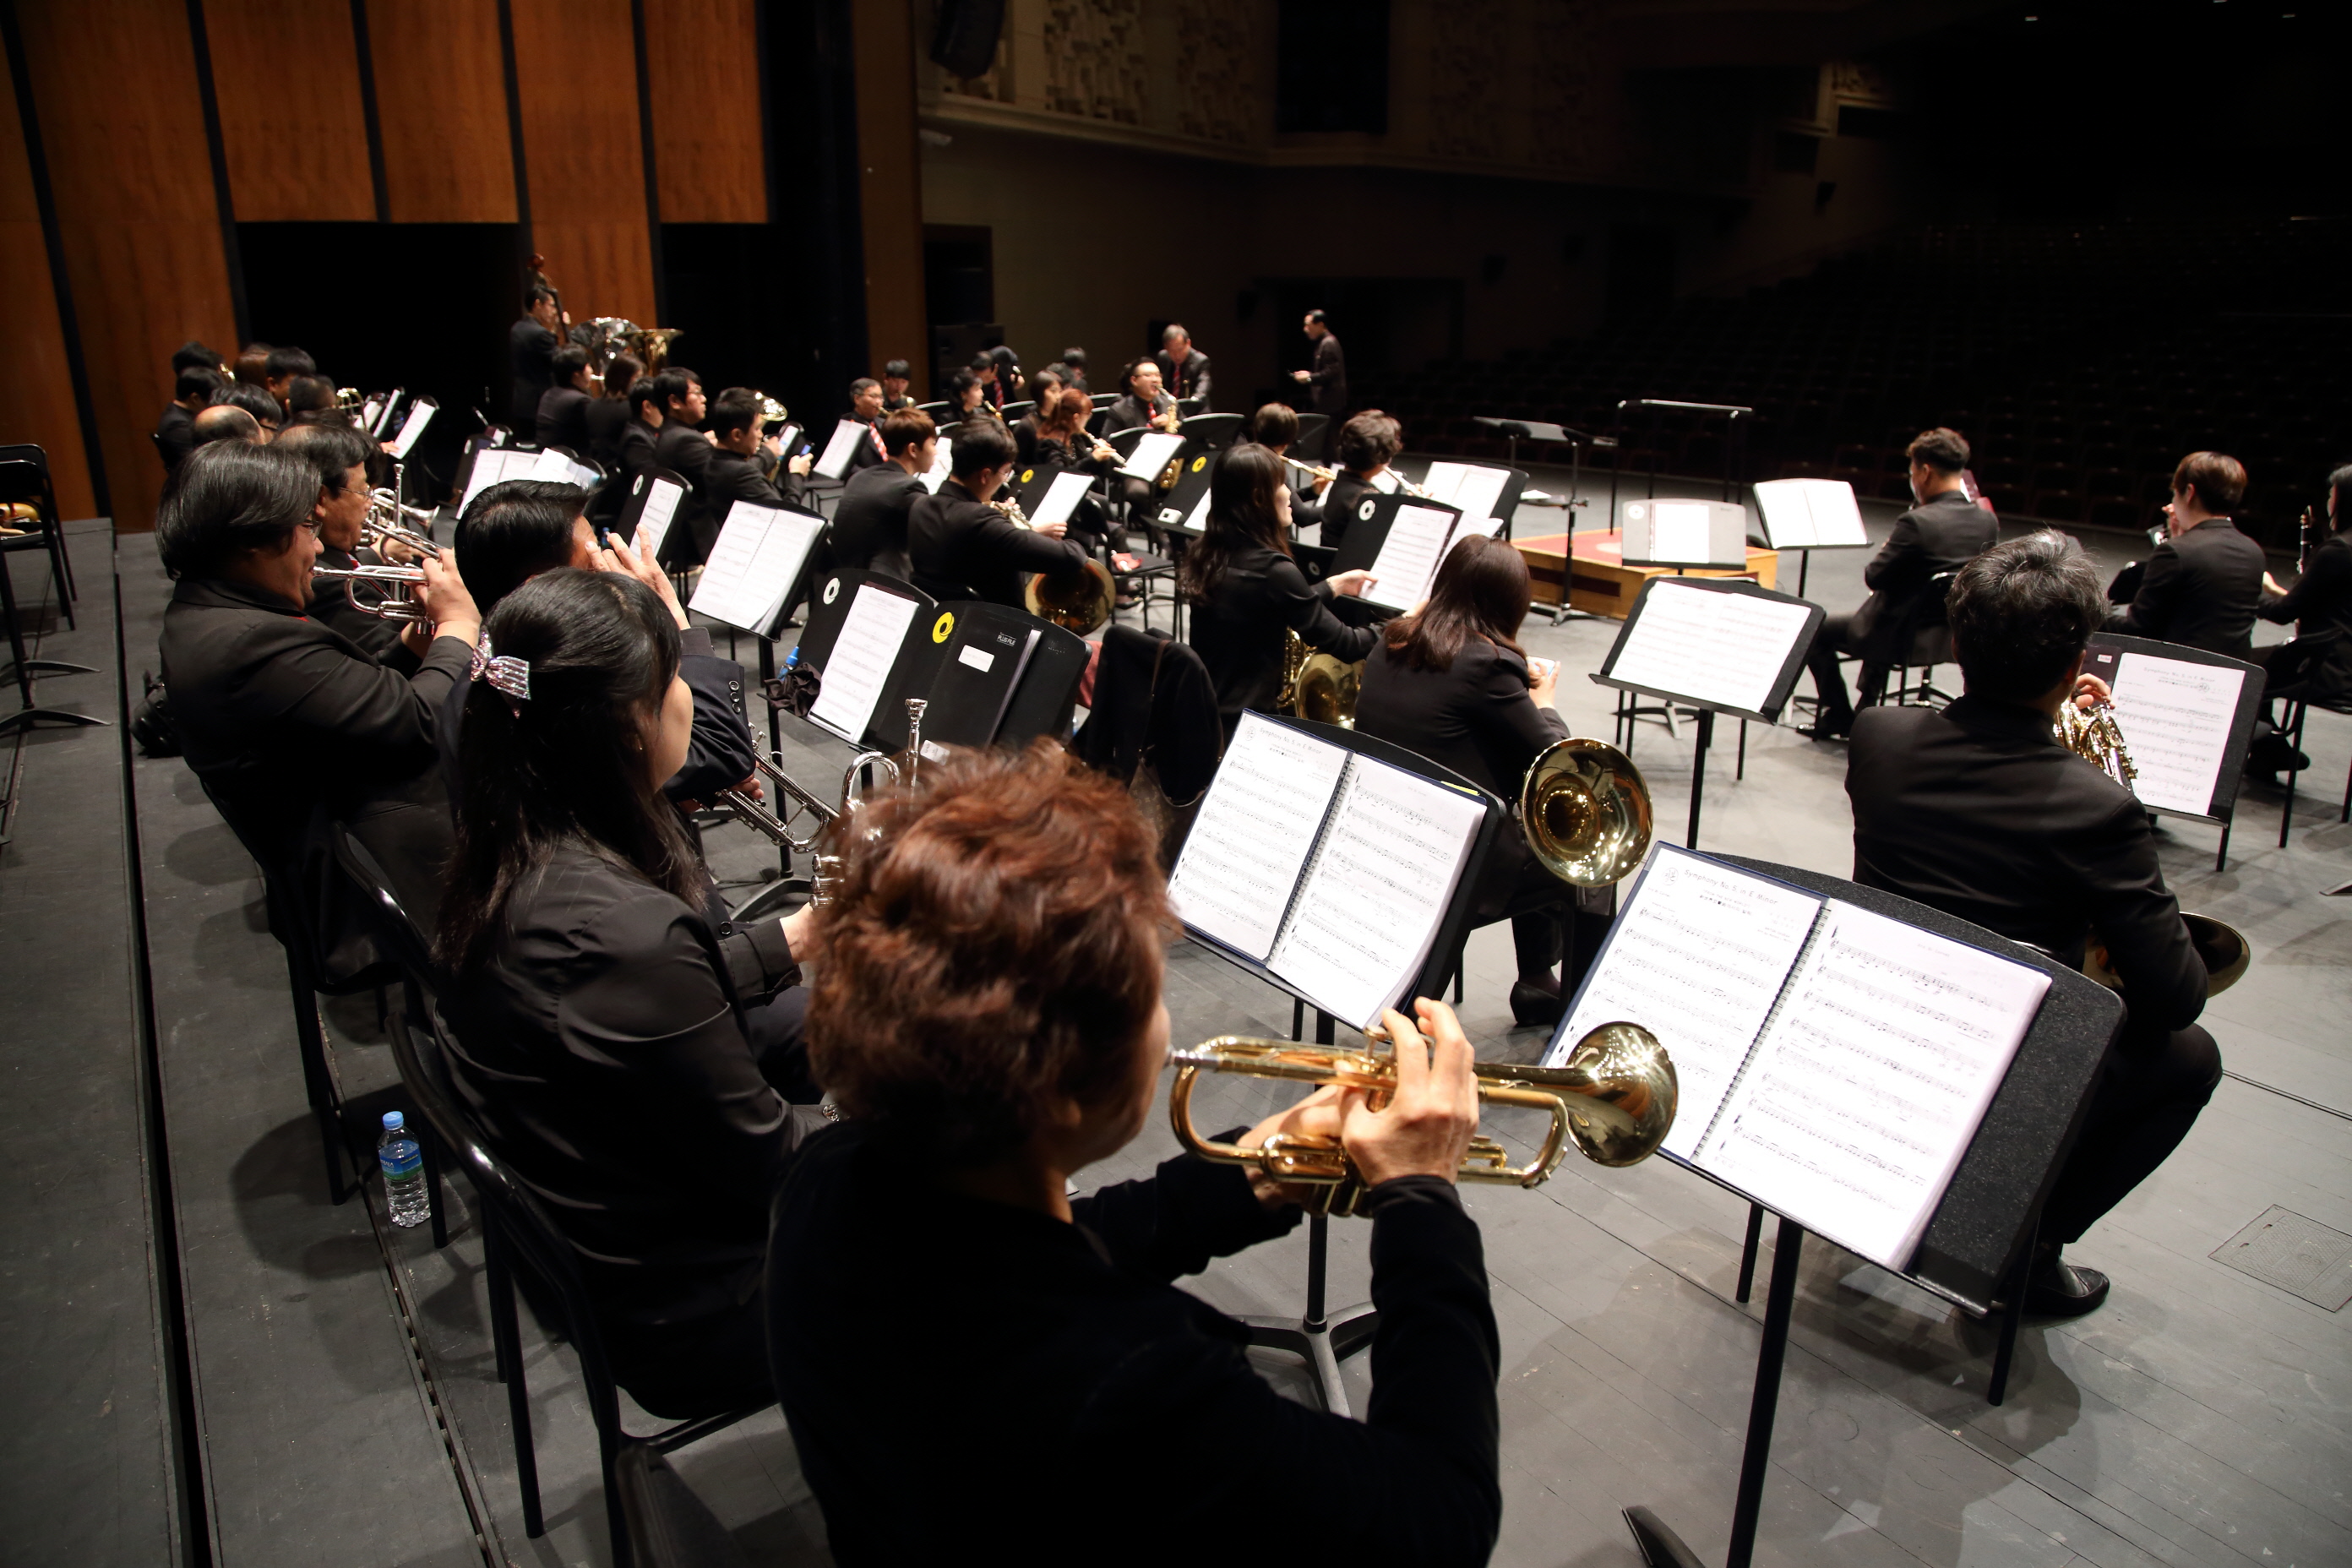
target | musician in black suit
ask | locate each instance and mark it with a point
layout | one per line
(338, 456)
(563, 406)
(746, 465)
(285, 720)
(2204, 582)
(1246, 590)
(869, 523)
(1327, 381)
(227, 422)
(866, 407)
(686, 451)
(1143, 402)
(1367, 445)
(639, 444)
(1452, 684)
(896, 377)
(1183, 368)
(1979, 811)
(531, 343)
(2319, 606)
(1057, 442)
(988, 1016)
(962, 548)
(175, 432)
(600, 1040)
(610, 414)
(1940, 533)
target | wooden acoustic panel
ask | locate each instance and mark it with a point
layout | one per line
(441, 108)
(702, 64)
(286, 75)
(37, 403)
(890, 190)
(575, 61)
(122, 126)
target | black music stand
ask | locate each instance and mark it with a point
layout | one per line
(1735, 442)
(2105, 657)
(1783, 682)
(1978, 1245)
(1517, 430)
(1323, 1338)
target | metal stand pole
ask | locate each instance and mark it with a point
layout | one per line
(2013, 1315)
(1779, 1306)
(1698, 774)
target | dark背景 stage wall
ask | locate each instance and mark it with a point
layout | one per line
(36, 403)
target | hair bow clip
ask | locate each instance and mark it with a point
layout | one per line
(505, 673)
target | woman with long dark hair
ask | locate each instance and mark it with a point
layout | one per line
(1246, 590)
(1452, 683)
(599, 1037)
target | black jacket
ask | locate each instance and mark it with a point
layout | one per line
(869, 521)
(606, 417)
(2320, 602)
(867, 453)
(1476, 718)
(1238, 630)
(528, 347)
(2200, 589)
(963, 550)
(1128, 412)
(175, 437)
(1979, 812)
(733, 476)
(564, 418)
(637, 446)
(1340, 504)
(684, 451)
(1942, 533)
(603, 1051)
(1190, 379)
(1115, 1418)
(1328, 378)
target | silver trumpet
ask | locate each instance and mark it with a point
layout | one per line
(902, 768)
(387, 592)
(389, 523)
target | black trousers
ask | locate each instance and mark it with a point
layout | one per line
(1836, 636)
(2150, 1091)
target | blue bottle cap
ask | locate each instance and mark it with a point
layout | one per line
(394, 1122)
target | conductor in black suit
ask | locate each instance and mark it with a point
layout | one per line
(531, 343)
(1327, 381)
(2204, 582)
(563, 406)
(869, 523)
(1183, 368)
(1977, 810)
(962, 548)
(1940, 534)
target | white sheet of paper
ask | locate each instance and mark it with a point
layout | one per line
(420, 415)
(1386, 481)
(1699, 953)
(1150, 455)
(1724, 649)
(1241, 862)
(1062, 499)
(2176, 716)
(1409, 557)
(1802, 513)
(494, 465)
(660, 509)
(1367, 910)
(840, 449)
(753, 564)
(1199, 522)
(1473, 487)
(1869, 1083)
(862, 659)
(938, 473)
(558, 470)
(1678, 531)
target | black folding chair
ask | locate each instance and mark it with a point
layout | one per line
(33, 488)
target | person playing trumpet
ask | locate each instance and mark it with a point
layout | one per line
(988, 1017)
(339, 455)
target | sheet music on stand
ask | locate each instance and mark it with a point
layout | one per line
(496, 465)
(941, 465)
(1714, 643)
(556, 468)
(662, 499)
(840, 449)
(1417, 543)
(1062, 499)
(1475, 487)
(1297, 839)
(755, 565)
(2186, 717)
(857, 670)
(1810, 514)
(411, 428)
(1150, 455)
(1834, 1063)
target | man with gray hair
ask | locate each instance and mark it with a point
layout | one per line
(1979, 811)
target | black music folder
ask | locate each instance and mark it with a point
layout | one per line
(872, 641)
(2187, 715)
(1005, 679)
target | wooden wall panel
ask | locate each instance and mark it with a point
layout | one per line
(702, 63)
(441, 108)
(890, 187)
(574, 59)
(36, 402)
(286, 75)
(122, 125)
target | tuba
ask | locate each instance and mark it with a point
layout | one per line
(1614, 1100)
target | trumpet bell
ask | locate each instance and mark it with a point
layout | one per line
(1327, 690)
(1585, 809)
(2221, 945)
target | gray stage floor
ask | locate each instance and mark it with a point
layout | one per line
(341, 1370)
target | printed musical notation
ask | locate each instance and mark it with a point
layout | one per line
(863, 656)
(1241, 862)
(1725, 651)
(2177, 716)
(662, 497)
(754, 563)
(1409, 557)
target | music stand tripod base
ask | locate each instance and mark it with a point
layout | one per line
(1321, 1343)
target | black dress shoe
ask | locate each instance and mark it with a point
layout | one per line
(1536, 1002)
(1824, 731)
(2275, 753)
(2060, 1290)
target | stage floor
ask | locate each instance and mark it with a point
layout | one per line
(340, 1382)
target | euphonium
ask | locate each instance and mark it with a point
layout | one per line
(395, 601)
(1615, 1100)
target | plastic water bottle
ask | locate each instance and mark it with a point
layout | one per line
(404, 1171)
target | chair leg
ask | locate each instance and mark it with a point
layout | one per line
(2222, 855)
(506, 1330)
(311, 1041)
(2294, 739)
(616, 1520)
(61, 573)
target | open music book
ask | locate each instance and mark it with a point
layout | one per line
(1475, 487)
(1715, 647)
(558, 470)
(1810, 514)
(420, 415)
(2179, 717)
(755, 565)
(1331, 869)
(1415, 547)
(496, 465)
(1151, 455)
(1834, 1063)
(864, 655)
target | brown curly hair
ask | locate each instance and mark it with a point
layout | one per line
(994, 943)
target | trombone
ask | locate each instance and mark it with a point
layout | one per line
(1615, 1100)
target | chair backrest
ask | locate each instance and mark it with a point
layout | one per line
(24, 452)
(1213, 432)
(397, 932)
(2304, 656)
(27, 481)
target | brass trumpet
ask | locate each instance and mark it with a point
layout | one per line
(1615, 1100)
(393, 590)
(387, 524)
